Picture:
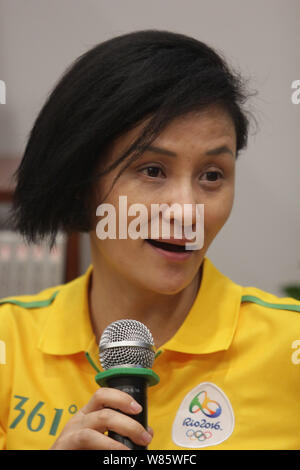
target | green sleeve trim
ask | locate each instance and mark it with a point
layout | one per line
(34, 304)
(256, 300)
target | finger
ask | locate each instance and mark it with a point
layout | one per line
(89, 439)
(111, 420)
(150, 431)
(112, 398)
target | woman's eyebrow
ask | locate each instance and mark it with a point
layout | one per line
(216, 151)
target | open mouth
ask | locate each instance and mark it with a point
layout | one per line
(168, 246)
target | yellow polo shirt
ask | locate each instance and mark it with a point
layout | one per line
(229, 378)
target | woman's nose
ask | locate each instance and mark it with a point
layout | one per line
(182, 205)
(184, 213)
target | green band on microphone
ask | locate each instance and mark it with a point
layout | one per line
(151, 377)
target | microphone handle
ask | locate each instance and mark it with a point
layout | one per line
(137, 388)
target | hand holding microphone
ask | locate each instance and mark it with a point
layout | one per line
(126, 354)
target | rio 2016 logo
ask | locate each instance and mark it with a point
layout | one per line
(201, 402)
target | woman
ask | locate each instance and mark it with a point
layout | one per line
(157, 117)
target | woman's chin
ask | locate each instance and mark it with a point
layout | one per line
(164, 286)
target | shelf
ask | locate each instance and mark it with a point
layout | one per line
(8, 165)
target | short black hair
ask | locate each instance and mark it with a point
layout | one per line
(108, 90)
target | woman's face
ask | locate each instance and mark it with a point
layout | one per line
(200, 171)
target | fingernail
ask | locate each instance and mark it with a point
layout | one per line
(135, 406)
(146, 437)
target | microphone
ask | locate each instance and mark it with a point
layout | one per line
(127, 354)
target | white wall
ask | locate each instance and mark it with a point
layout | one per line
(259, 245)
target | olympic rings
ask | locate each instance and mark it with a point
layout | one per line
(198, 435)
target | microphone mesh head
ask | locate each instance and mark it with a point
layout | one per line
(126, 355)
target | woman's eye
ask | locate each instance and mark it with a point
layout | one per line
(212, 176)
(152, 171)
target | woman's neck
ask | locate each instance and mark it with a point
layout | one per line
(113, 298)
